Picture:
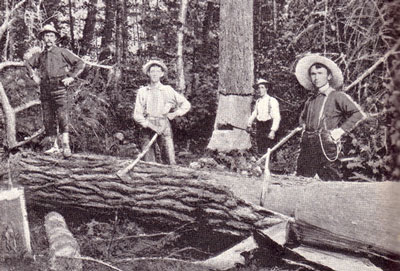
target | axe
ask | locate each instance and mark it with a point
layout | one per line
(122, 172)
(228, 126)
(267, 172)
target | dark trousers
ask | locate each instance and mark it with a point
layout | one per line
(263, 142)
(312, 160)
(53, 96)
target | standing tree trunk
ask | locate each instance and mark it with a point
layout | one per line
(181, 34)
(71, 26)
(89, 28)
(236, 76)
(107, 34)
(124, 30)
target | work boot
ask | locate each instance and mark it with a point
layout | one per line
(65, 141)
(55, 149)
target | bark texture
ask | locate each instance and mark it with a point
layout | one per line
(64, 248)
(236, 75)
(153, 193)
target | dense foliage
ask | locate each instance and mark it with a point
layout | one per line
(126, 33)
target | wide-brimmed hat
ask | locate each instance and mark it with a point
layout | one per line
(150, 63)
(259, 82)
(304, 64)
(48, 28)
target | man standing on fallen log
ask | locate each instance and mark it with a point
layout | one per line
(326, 117)
(58, 68)
(156, 105)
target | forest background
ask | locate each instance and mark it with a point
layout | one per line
(361, 36)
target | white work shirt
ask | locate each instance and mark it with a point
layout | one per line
(267, 108)
(158, 102)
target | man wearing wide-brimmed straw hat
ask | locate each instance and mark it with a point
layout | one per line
(156, 105)
(326, 117)
(267, 116)
(57, 69)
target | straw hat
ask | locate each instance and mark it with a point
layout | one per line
(303, 67)
(259, 82)
(48, 28)
(150, 63)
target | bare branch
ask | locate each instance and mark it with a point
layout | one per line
(11, 64)
(7, 21)
(373, 67)
(29, 139)
(92, 260)
(26, 106)
(9, 117)
(17, 6)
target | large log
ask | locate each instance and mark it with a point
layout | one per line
(349, 216)
(170, 195)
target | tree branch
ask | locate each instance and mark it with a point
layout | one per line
(11, 64)
(93, 260)
(9, 117)
(29, 139)
(373, 67)
(26, 106)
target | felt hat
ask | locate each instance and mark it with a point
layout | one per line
(150, 63)
(259, 82)
(48, 28)
(303, 67)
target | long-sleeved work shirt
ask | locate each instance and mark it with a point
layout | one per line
(56, 62)
(267, 108)
(157, 102)
(339, 111)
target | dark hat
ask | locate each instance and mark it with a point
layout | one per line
(48, 28)
(150, 63)
(304, 65)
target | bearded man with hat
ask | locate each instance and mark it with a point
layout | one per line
(267, 116)
(156, 105)
(326, 117)
(57, 68)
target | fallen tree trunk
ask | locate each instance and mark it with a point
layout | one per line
(154, 193)
(349, 216)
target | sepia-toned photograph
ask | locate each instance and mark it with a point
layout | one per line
(200, 135)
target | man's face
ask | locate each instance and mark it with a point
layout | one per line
(155, 74)
(262, 90)
(49, 39)
(319, 76)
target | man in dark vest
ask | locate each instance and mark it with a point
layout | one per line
(57, 68)
(326, 117)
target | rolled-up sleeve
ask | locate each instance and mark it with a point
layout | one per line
(275, 114)
(139, 111)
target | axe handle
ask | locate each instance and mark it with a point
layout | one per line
(282, 141)
(124, 171)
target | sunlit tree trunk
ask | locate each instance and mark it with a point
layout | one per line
(181, 34)
(236, 65)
